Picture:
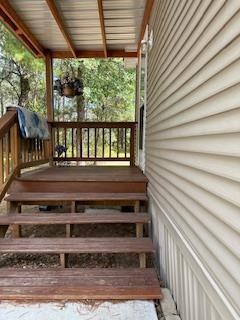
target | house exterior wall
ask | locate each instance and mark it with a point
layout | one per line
(193, 153)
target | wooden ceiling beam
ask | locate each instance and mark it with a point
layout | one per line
(146, 17)
(101, 17)
(93, 54)
(53, 8)
(11, 19)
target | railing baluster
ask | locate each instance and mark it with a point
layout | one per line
(65, 141)
(72, 136)
(110, 142)
(81, 144)
(7, 154)
(95, 142)
(125, 142)
(37, 148)
(103, 142)
(28, 150)
(117, 142)
(58, 136)
(88, 143)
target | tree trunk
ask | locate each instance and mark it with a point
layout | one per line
(24, 91)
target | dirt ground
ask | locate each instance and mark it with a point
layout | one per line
(75, 260)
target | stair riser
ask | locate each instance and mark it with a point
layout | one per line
(69, 187)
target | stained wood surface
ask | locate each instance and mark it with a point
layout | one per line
(78, 186)
(73, 218)
(64, 197)
(86, 173)
(76, 245)
(73, 284)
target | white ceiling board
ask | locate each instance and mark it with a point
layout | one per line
(122, 19)
(38, 18)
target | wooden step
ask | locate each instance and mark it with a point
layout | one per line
(73, 218)
(19, 185)
(79, 284)
(111, 179)
(37, 197)
(76, 245)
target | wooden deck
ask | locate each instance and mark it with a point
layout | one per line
(100, 179)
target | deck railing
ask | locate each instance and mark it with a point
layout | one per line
(17, 153)
(94, 141)
(81, 141)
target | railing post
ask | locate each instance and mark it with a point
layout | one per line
(16, 147)
(50, 145)
(132, 145)
(49, 86)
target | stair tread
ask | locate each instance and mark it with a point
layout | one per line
(72, 284)
(76, 245)
(51, 196)
(74, 218)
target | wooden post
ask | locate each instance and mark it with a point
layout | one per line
(132, 146)
(49, 86)
(13, 208)
(16, 147)
(63, 260)
(142, 259)
(49, 97)
(69, 227)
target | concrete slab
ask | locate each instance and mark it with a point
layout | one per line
(167, 303)
(128, 310)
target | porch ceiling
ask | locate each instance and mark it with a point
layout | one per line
(78, 28)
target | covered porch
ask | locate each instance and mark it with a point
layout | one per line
(82, 164)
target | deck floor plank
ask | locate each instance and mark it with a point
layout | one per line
(76, 245)
(86, 173)
(58, 197)
(73, 218)
(74, 284)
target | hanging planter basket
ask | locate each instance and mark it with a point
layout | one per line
(69, 87)
(69, 92)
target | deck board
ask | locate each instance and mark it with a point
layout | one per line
(74, 284)
(62, 197)
(86, 173)
(73, 218)
(76, 245)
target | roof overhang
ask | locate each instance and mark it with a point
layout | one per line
(78, 29)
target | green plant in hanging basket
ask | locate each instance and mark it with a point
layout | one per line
(69, 87)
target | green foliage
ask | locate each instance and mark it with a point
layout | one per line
(109, 89)
(21, 75)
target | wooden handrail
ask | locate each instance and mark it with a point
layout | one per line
(7, 121)
(91, 124)
(94, 141)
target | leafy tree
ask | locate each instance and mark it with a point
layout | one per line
(21, 75)
(109, 89)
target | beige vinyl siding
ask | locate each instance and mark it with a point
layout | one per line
(193, 130)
